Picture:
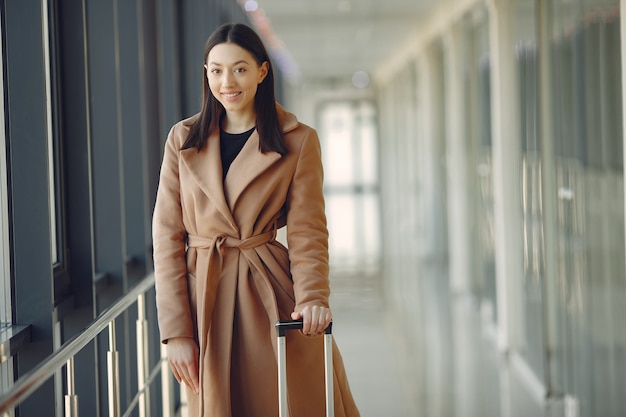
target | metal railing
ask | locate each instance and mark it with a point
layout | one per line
(64, 357)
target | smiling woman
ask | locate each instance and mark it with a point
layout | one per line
(231, 176)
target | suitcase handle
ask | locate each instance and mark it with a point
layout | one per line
(282, 326)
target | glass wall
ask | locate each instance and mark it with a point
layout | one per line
(477, 95)
(589, 303)
(87, 113)
(6, 368)
(558, 71)
(531, 342)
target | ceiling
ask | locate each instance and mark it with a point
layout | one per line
(330, 40)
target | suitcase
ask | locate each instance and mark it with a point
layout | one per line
(282, 326)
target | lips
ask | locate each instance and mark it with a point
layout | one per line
(231, 95)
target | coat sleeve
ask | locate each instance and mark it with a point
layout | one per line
(168, 236)
(307, 235)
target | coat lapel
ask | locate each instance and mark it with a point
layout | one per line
(206, 166)
(251, 162)
(206, 169)
(247, 166)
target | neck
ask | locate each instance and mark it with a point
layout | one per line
(238, 123)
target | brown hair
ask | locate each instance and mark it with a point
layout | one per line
(267, 124)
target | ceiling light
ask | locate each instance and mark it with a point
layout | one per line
(360, 79)
(251, 6)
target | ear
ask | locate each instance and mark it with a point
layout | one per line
(263, 71)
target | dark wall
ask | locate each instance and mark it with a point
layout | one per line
(84, 152)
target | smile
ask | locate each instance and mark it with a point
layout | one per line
(230, 95)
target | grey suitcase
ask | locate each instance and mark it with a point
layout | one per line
(282, 326)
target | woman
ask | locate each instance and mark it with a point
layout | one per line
(231, 176)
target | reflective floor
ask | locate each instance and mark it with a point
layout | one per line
(440, 363)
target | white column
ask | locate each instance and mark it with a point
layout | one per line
(457, 162)
(506, 171)
(432, 185)
(459, 225)
(430, 224)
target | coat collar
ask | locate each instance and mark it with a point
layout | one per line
(287, 121)
(205, 166)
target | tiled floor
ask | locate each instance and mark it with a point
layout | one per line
(445, 366)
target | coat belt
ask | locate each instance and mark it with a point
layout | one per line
(208, 271)
(222, 240)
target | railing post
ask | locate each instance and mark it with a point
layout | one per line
(71, 399)
(166, 384)
(65, 355)
(113, 373)
(142, 358)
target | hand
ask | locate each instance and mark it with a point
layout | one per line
(183, 354)
(315, 319)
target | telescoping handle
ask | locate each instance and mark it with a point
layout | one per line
(282, 326)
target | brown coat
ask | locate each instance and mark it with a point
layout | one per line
(222, 278)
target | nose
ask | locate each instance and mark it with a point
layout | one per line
(228, 78)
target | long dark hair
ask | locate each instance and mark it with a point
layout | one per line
(270, 133)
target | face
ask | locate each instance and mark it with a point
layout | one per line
(234, 75)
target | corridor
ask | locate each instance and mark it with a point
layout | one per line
(473, 155)
(442, 362)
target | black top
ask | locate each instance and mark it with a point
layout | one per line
(230, 145)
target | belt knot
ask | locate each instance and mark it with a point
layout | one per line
(222, 240)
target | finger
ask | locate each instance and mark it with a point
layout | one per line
(192, 377)
(322, 320)
(175, 372)
(295, 315)
(306, 320)
(317, 319)
(315, 312)
(187, 379)
(195, 377)
(180, 371)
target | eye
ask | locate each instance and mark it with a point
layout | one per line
(240, 70)
(214, 71)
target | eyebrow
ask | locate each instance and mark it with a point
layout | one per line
(241, 61)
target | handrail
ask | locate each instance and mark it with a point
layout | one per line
(28, 383)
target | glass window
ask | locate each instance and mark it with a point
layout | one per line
(6, 367)
(55, 163)
(51, 157)
(348, 135)
(589, 361)
(5, 277)
(477, 93)
(531, 301)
